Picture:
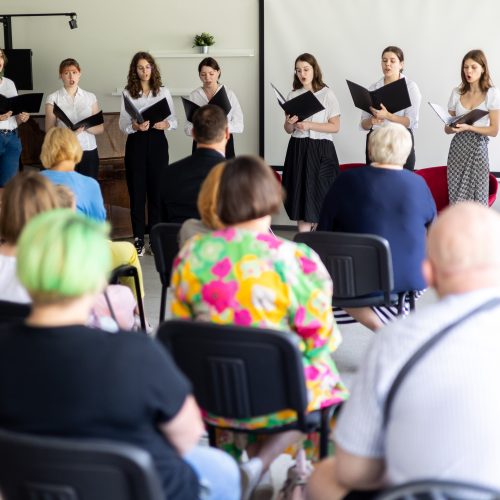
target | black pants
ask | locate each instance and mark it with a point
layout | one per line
(89, 165)
(229, 147)
(146, 155)
(410, 161)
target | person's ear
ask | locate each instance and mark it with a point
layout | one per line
(428, 273)
(227, 134)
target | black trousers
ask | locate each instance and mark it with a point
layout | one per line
(89, 165)
(410, 161)
(146, 155)
(229, 147)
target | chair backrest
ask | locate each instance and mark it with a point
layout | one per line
(13, 311)
(437, 182)
(439, 490)
(359, 264)
(41, 468)
(492, 189)
(165, 243)
(238, 372)
(348, 166)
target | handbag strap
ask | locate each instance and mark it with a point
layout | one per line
(423, 350)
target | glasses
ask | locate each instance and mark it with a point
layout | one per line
(143, 68)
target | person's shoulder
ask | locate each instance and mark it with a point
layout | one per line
(52, 97)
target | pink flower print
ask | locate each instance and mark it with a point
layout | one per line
(176, 262)
(219, 294)
(242, 318)
(300, 315)
(228, 234)
(308, 266)
(222, 268)
(303, 329)
(271, 240)
(311, 372)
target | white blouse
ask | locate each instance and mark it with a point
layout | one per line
(492, 101)
(10, 286)
(8, 89)
(143, 102)
(412, 112)
(331, 104)
(234, 117)
(76, 108)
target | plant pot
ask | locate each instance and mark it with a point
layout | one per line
(203, 49)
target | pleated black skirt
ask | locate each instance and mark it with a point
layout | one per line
(311, 166)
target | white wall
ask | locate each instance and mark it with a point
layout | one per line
(111, 31)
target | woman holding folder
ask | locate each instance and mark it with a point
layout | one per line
(146, 150)
(311, 162)
(468, 162)
(392, 67)
(209, 72)
(10, 145)
(77, 104)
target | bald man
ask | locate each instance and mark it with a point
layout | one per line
(444, 418)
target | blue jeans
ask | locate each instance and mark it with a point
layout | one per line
(217, 471)
(10, 150)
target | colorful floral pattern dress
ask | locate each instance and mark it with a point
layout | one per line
(252, 279)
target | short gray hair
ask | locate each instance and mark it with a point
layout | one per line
(390, 144)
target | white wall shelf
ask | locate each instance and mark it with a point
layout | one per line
(211, 52)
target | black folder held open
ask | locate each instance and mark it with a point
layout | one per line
(28, 103)
(394, 96)
(155, 113)
(452, 121)
(219, 99)
(303, 106)
(90, 121)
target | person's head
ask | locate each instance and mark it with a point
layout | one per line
(63, 256)
(208, 197)
(475, 70)
(27, 194)
(389, 145)
(69, 72)
(3, 61)
(210, 125)
(463, 249)
(307, 72)
(143, 70)
(392, 61)
(209, 71)
(60, 145)
(248, 190)
(65, 197)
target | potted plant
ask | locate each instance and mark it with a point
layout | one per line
(203, 41)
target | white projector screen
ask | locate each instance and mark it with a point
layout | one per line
(348, 36)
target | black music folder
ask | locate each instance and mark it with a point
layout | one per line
(90, 121)
(155, 113)
(28, 103)
(394, 96)
(468, 118)
(219, 99)
(303, 106)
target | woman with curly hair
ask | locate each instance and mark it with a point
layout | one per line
(146, 151)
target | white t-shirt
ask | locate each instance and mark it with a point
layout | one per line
(10, 287)
(492, 101)
(331, 104)
(76, 108)
(234, 117)
(8, 89)
(444, 418)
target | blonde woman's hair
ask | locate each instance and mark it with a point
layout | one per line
(208, 197)
(60, 144)
(390, 144)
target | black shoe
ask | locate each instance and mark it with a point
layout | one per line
(139, 246)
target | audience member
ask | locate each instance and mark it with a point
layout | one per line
(242, 274)
(442, 421)
(60, 378)
(181, 181)
(389, 201)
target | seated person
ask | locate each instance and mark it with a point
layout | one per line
(244, 275)
(181, 181)
(60, 378)
(61, 151)
(443, 420)
(386, 200)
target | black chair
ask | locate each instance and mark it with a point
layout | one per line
(360, 266)
(46, 468)
(10, 311)
(439, 490)
(130, 272)
(165, 244)
(243, 372)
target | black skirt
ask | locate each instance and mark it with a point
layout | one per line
(311, 166)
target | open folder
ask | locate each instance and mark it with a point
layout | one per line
(219, 99)
(394, 96)
(303, 106)
(452, 121)
(155, 113)
(29, 103)
(90, 121)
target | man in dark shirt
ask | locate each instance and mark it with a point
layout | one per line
(181, 181)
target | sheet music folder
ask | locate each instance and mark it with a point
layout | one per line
(303, 106)
(468, 118)
(29, 103)
(219, 99)
(155, 113)
(394, 96)
(90, 121)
